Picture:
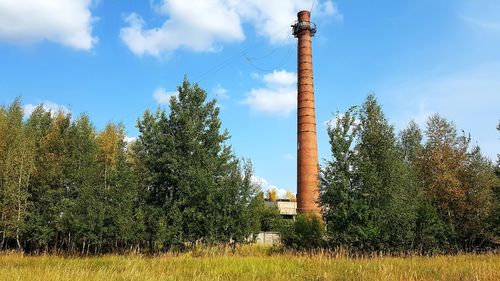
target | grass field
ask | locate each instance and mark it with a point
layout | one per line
(15, 266)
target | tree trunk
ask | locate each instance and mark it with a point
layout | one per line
(105, 176)
(3, 240)
(19, 183)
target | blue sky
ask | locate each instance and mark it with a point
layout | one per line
(113, 59)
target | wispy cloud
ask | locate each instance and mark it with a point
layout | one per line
(328, 9)
(163, 96)
(129, 139)
(48, 106)
(278, 97)
(266, 186)
(220, 92)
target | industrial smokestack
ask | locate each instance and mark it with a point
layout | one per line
(307, 149)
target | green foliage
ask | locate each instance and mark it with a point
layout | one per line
(305, 233)
(341, 209)
(458, 182)
(270, 217)
(17, 167)
(196, 191)
(385, 193)
(366, 189)
(66, 186)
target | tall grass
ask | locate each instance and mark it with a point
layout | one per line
(248, 264)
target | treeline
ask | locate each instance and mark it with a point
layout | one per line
(425, 191)
(66, 187)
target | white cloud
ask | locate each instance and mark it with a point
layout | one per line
(332, 123)
(162, 96)
(279, 97)
(129, 140)
(266, 186)
(329, 9)
(220, 92)
(272, 101)
(197, 25)
(65, 22)
(272, 19)
(280, 78)
(202, 25)
(289, 156)
(47, 106)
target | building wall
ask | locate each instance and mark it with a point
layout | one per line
(267, 238)
(286, 208)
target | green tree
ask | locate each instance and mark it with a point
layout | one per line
(244, 220)
(410, 141)
(48, 187)
(194, 183)
(430, 232)
(83, 202)
(383, 179)
(341, 210)
(17, 165)
(494, 218)
(269, 216)
(35, 229)
(366, 190)
(458, 181)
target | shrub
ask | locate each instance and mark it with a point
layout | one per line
(305, 233)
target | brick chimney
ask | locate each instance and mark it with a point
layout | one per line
(307, 150)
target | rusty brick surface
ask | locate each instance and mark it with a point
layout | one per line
(307, 150)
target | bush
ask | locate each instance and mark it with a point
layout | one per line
(305, 233)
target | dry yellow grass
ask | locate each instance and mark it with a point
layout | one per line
(15, 266)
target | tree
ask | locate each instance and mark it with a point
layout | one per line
(494, 218)
(290, 196)
(430, 232)
(338, 195)
(3, 150)
(366, 193)
(48, 187)
(84, 197)
(272, 195)
(411, 142)
(458, 181)
(269, 216)
(35, 230)
(383, 178)
(194, 183)
(17, 165)
(123, 214)
(109, 140)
